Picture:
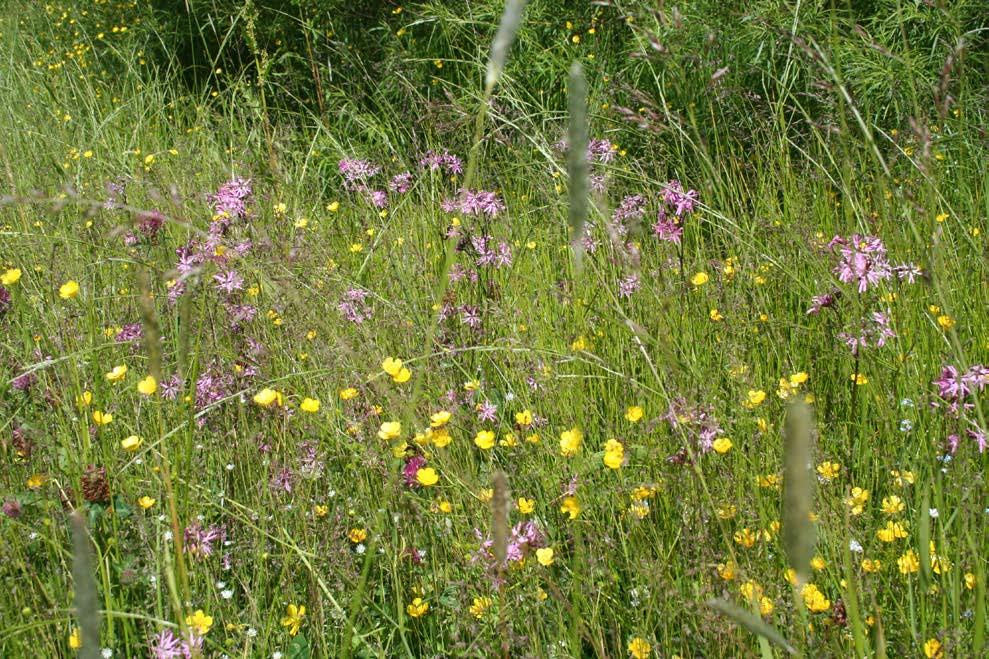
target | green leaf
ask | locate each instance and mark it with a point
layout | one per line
(298, 648)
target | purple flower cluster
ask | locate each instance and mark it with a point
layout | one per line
(356, 171)
(24, 381)
(411, 469)
(954, 388)
(400, 183)
(354, 306)
(470, 315)
(114, 190)
(667, 230)
(474, 202)
(696, 420)
(498, 257)
(526, 537)
(602, 151)
(166, 645)
(682, 203)
(633, 207)
(231, 203)
(459, 272)
(874, 331)
(281, 479)
(130, 333)
(628, 285)
(862, 260)
(819, 302)
(446, 161)
(212, 386)
(487, 411)
(233, 199)
(5, 301)
(150, 223)
(199, 541)
(310, 464)
(954, 385)
(228, 282)
(598, 150)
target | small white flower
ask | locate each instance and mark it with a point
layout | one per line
(106, 653)
(226, 594)
(251, 632)
(906, 425)
(276, 655)
(933, 513)
(360, 548)
(230, 467)
(221, 584)
(168, 536)
(509, 397)
(854, 546)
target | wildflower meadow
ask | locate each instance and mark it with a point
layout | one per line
(474, 328)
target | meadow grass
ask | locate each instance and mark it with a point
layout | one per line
(455, 413)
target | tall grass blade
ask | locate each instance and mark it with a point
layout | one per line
(511, 18)
(752, 623)
(799, 534)
(577, 157)
(852, 608)
(87, 602)
(499, 517)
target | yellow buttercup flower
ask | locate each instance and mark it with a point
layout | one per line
(310, 405)
(545, 556)
(722, 445)
(570, 442)
(148, 386)
(427, 476)
(395, 368)
(10, 277)
(417, 608)
(439, 419)
(199, 622)
(614, 454)
(146, 502)
(117, 374)
(484, 440)
(570, 506)
(634, 414)
(754, 398)
(857, 500)
(639, 648)
(390, 430)
(293, 618)
(526, 506)
(348, 393)
(68, 290)
(267, 397)
(480, 606)
(102, 418)
(814, 599)
(131, 444)
(699, 279)
(828, 470)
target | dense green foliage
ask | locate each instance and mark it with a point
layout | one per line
(635, 383)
